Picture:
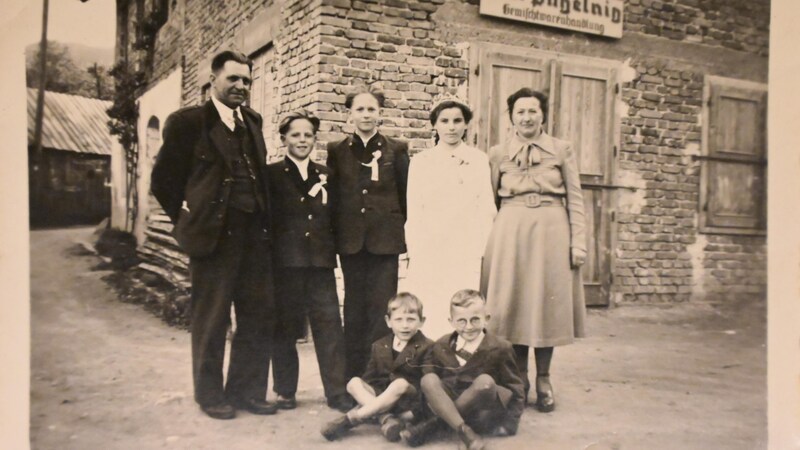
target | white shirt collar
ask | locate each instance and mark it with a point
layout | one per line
(469, 346)
(226, 113)
(302, 166)
(374, 132)
(398, 345)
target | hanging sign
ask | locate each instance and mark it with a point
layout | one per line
(602, 17)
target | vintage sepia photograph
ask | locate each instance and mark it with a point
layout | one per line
(379, 224)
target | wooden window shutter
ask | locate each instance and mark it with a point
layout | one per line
(735, 164)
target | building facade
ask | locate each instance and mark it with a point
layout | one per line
(668, 118)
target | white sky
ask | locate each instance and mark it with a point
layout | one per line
(92, 23)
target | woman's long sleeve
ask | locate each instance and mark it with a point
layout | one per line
(575, 208)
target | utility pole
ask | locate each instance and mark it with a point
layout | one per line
(96, 71)
(37, 134)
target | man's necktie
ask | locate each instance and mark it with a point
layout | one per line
(237, 120)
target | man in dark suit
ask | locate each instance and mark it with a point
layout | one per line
(304, 256)
(370, 175)
(211, 179)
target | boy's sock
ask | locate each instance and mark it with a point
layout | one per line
(391, 427)
(470, 438)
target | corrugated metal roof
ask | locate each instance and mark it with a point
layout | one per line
(71, 123)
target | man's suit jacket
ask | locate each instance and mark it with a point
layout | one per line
(383, 368)
(302, 229)
(494, 357)
(369, 214)
(192, 179)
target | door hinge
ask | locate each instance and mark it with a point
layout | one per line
(616, 88)
(615, 151)
(477, 70)
(613, 216)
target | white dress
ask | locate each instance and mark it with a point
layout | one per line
(450, 212)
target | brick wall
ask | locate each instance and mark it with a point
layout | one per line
(736, 24)
(391, 44)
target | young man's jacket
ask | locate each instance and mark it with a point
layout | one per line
(369, 214)
(192, 179)
(383, 367)
(302, 229)
(494, 357)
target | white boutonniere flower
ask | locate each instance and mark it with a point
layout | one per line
(320, 187)
(373, 165)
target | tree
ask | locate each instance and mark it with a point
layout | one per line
(64, 76)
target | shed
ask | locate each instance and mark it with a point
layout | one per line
(70, 181)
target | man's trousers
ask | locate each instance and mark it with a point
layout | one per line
(238, 273)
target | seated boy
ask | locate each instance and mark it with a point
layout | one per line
(304, 259)
(391, 380)
(471, 378)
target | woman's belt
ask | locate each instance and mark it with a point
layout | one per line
(533, 200)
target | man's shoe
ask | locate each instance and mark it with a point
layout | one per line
(222, 411)
(416, 435)
(336, 428)
(257, 406)
(341, 403)
(286, 402)
(391, 427)
(470, 438)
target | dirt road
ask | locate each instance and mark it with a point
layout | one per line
(108, 375)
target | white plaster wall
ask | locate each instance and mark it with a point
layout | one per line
(160, 101)
(118, 188)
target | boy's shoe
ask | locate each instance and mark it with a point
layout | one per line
(391, 427)
(286, 402)
(337, 428)
(416, 435)
(471, 439)
(256, 406)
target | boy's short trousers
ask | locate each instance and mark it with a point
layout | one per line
(410, 401)
(486, 419)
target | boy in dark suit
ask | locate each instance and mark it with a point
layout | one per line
(391, 381)
(370, 174)
(304, 259)
(471, 378)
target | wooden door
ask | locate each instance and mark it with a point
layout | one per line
(264, 98)
(582, 113)
(582, 95)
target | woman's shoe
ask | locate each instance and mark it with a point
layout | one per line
(545, 402)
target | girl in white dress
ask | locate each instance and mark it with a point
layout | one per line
(450, 212)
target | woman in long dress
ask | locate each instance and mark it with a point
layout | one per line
(531, 268)
(450, 213)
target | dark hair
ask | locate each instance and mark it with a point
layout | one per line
(409, 303)
(229, 55)
(447, 104)
(363, 89)
(286, 122)
(524, 93)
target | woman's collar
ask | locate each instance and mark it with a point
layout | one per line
(543, 140)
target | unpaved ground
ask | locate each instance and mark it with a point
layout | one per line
(108, 375)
